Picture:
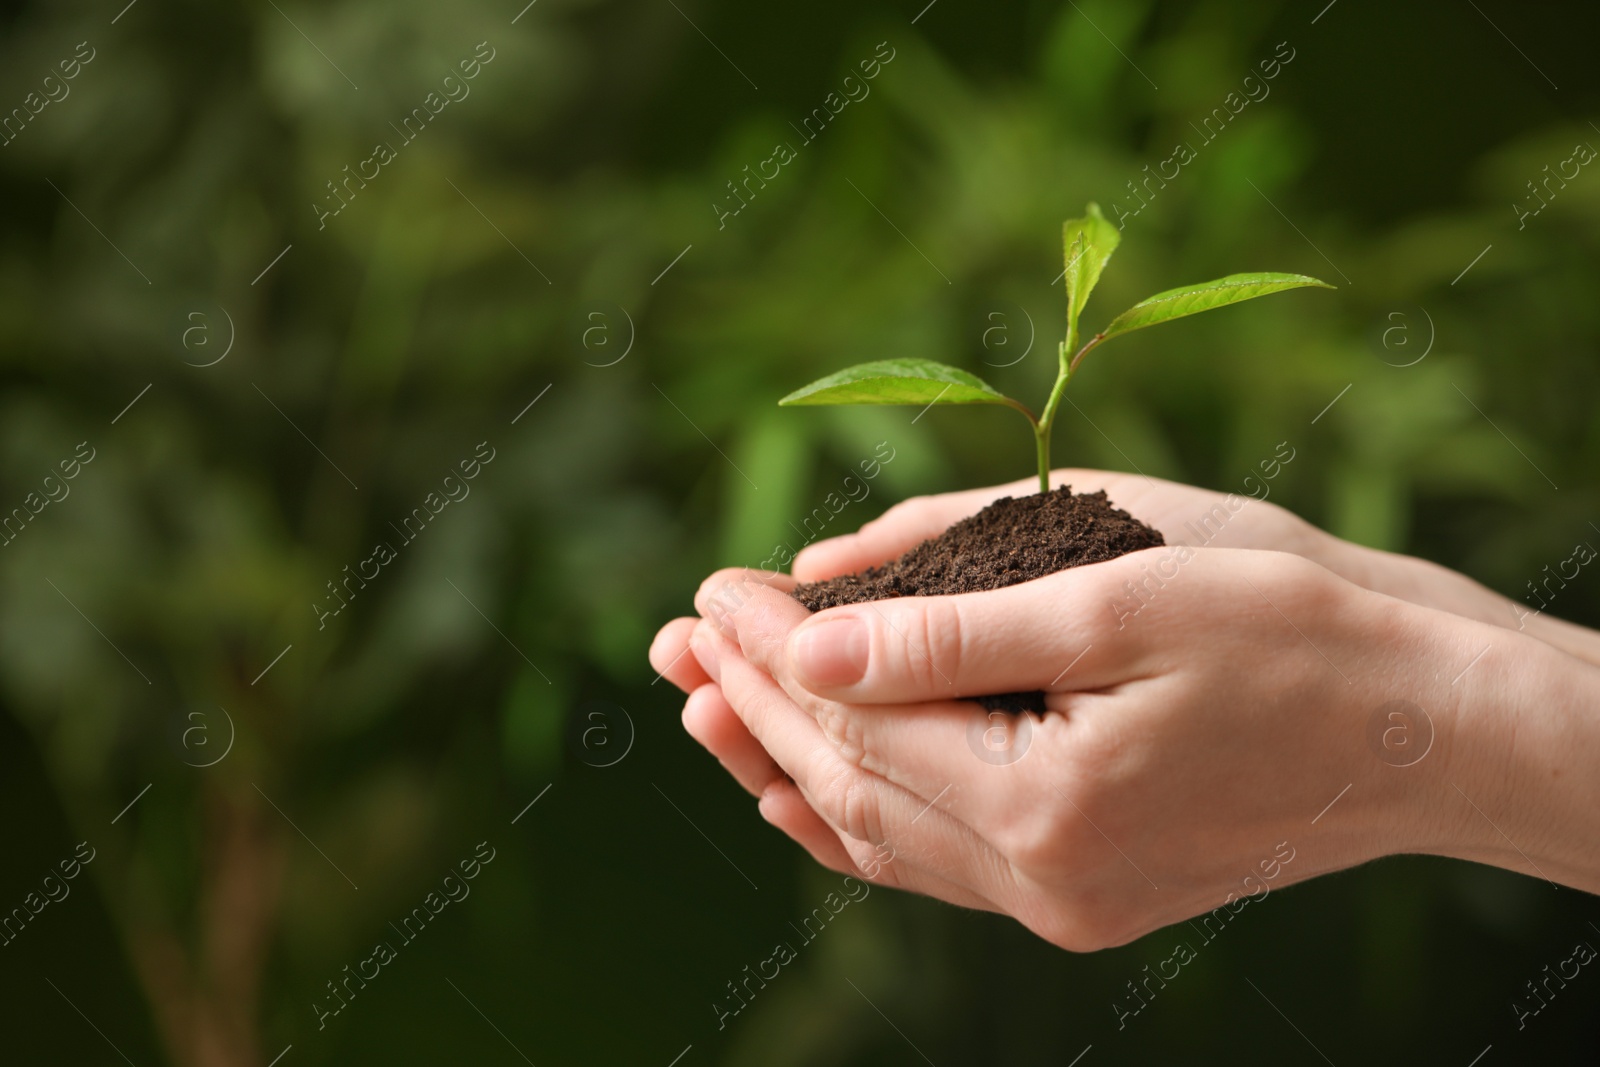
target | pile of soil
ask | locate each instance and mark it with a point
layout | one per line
(1013, 540)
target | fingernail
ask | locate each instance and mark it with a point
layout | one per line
(761, 803)
(706, 653)
(832, 652)
(717, 615)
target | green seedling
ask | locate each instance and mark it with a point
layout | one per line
(1089, 244)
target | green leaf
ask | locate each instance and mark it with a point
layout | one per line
(1089, 242)
(899, 381)
(1193, 299)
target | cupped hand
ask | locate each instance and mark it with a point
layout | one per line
(1203, 518)
(1182, 513)
(710, 720)
(1203, 747)
(1166, 505)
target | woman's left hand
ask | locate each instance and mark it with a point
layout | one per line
(1240, 724)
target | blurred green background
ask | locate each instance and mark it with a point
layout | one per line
(551, 236)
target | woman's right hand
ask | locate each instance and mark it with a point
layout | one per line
(1182, 513)
(1202, 518)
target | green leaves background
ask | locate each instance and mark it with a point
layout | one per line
(411, 329)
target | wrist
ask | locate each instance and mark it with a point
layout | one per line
(1575, 640)
(1430, 585)
(1517, 786)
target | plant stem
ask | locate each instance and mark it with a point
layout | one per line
(1041, 435)
(1085, 350)
(1046, 421)
(1047, 418)
(1041, 427)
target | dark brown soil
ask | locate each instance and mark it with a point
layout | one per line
(1013, 540)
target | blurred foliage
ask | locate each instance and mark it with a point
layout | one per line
(473, 672)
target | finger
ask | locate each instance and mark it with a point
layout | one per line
(729, 589)
(669, 655)
(1063, 631)
(758, 619)
(952, 751)
(711, 721)
(985, 768)
(784, 806)
(866, 808)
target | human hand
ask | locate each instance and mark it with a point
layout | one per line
(1174, 509)
(710, 720)
(1183, 514)
(1203, 518)
(1212, 746)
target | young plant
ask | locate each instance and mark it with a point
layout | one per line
(1089, 244)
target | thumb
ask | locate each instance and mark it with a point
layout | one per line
(1024, 637)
